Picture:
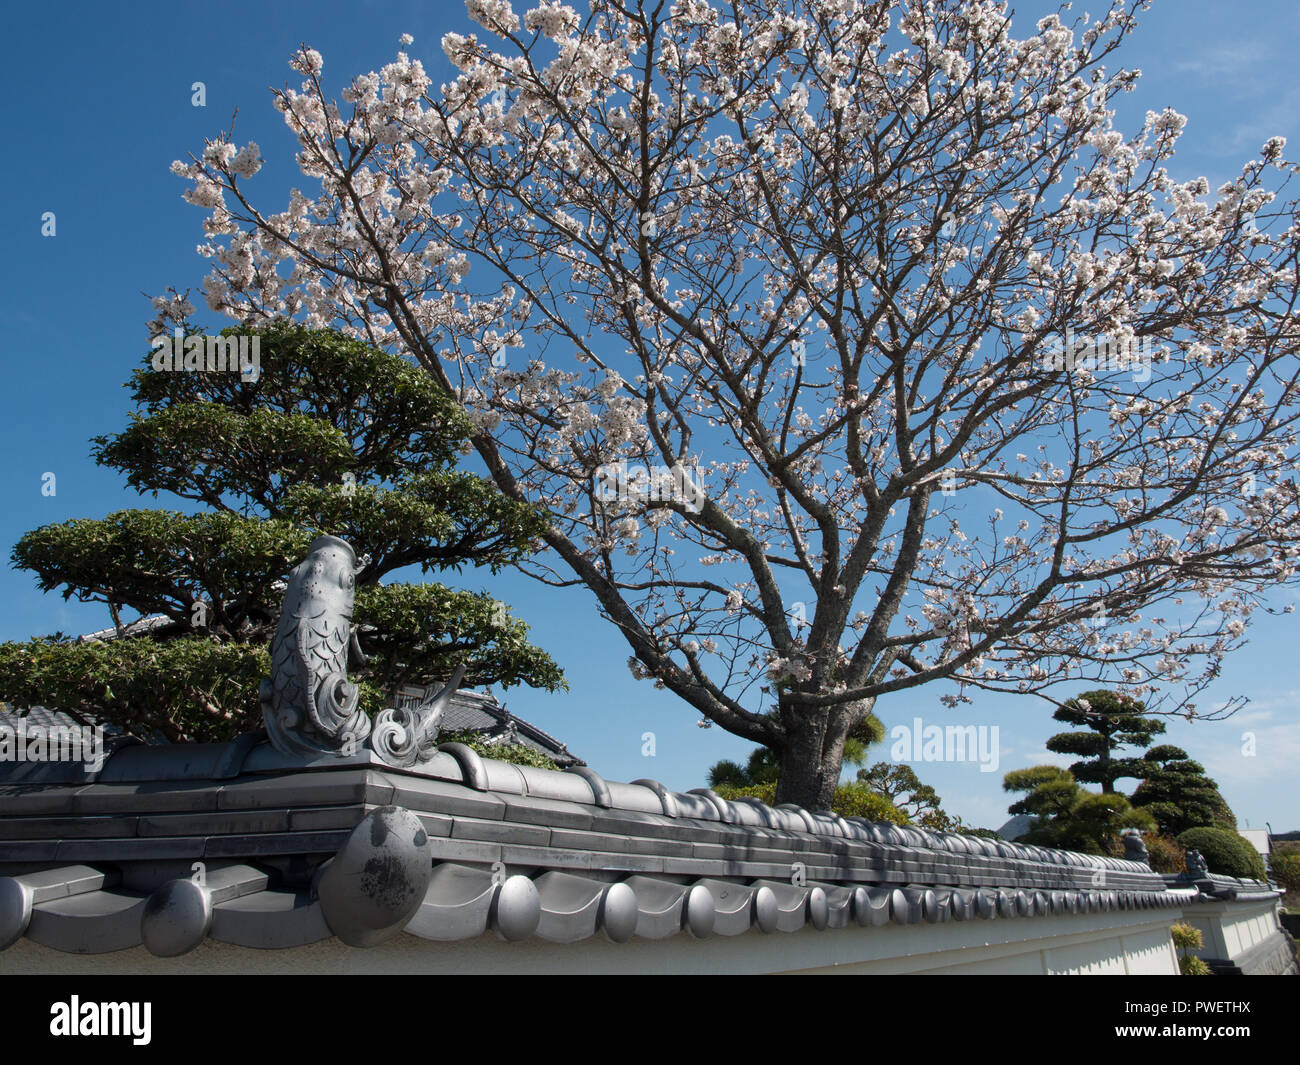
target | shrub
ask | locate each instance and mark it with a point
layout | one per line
(1164, 855)
(982, 833)
(851, 800)
(1224, 851)
(1285, 866)
(515, 753)
(1186, 939)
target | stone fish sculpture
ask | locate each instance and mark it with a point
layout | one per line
(308, 704)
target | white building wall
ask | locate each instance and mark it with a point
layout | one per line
(1231, 929)
(1104, 943)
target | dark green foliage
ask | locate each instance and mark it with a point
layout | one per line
(333, 437)
(1110, 721)
(185, 688)
(1178, 794)
(515, 753)
(1164, 855)
(850, 800)
(759, 768)
(872, 796)
(727, 774)
(324, 405)
(762, 767)
(1225, 852)
(1285, 869)
(899, 783)
(1070, 817)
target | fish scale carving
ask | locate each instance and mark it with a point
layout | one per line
(308, 704)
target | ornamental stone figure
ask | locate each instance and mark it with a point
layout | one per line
(1135, 848)
(1196, 866)
(308, 704)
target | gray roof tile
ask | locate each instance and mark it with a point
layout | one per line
(652, 862)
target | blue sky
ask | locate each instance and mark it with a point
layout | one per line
(101, 106)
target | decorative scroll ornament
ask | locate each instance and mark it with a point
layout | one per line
(404, 737)
(308, 704)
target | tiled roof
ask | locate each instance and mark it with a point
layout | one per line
(480, 712)
(134, 628)
(97, 862)
(44, 717)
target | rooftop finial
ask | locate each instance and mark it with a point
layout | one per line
(308, 703)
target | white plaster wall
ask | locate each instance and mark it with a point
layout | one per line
(1111, 942)
(1231, 929)
(1150, 954)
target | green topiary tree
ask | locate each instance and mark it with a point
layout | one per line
(1111, 720)
(1069, 816)
(1225, 852)
(1178, 794)
(333, 436)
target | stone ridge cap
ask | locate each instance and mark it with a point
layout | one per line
(703, 806)
(245, 759)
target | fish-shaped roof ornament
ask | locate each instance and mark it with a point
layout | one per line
(308, 704)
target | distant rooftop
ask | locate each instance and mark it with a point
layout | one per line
(481, 712)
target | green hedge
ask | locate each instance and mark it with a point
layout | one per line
(1224, 851)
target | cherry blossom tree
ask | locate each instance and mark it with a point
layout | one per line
(850, 345)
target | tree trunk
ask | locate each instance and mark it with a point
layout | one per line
(811, 759)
